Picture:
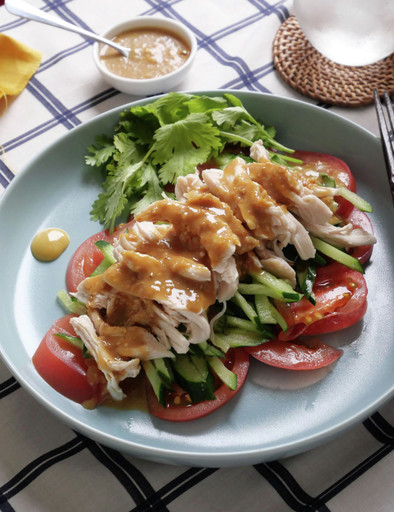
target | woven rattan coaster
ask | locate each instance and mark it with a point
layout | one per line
(309, 72)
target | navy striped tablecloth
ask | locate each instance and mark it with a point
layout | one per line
(46, 466)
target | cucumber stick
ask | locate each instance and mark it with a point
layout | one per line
(205, 349)
(157, 383)
(70, 303)
(74, 340)
(246, 325)
(241, 302)
(337, 255)
(356, 200)
(108, 251)
(234, 338)
(194, 376)
(267, 312)
(306, 275)
(225, 375)
(240, 323)
(164, 370)
(274, 287)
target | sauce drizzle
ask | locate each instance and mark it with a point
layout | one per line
(49, 244)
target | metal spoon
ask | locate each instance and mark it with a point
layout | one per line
(25, 10)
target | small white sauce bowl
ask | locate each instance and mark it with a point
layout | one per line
(148, 86)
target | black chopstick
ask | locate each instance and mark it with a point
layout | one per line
(385, 135)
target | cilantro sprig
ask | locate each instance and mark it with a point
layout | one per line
(154, 144)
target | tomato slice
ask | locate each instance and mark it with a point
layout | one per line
(335, 168)
(87, 257)
(85, 260)
(63, 366)
(361, 220)
(237, 360)
(295, 355)
(341, 296)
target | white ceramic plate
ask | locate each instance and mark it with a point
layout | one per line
(277, 413)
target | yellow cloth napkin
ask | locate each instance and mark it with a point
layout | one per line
(18, 63)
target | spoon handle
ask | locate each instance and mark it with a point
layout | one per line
(25, 10)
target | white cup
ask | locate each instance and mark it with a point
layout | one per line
(348, 32)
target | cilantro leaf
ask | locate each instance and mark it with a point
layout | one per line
(229, 116)
(111, 203)
(100, 153)
(154, 143)
(271, 132)
(172, 108)
(248, 131)
(166, 109)
(233, 100)
(141, 129)
(180, 146)
(206, 104)
(128, 151)
(153, 190)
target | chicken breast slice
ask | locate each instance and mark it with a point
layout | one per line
(214, 233)
(269, 222)
(99, 300)
(128, 341)
(180, 265)
(291, 231)
(168, 321)
(288, 187)
(185, 184)
(311, 209)
(278, 266)
(139, 233)
(258, 152)
(165, 329)
(226, 279)
(114, 370)
(344, 236)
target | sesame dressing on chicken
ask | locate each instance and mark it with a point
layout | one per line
(183, 255)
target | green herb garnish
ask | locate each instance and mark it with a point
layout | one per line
(154, 144)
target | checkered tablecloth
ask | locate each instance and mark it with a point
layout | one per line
(45, 465)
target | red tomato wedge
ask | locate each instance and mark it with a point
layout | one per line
(335, 168)
(341, 296)
(87, 257)
(361, 220)
(62, 365)
(85, 260)
(295, 355)
(237, 361)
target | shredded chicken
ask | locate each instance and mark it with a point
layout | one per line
(185, 184)
(213, 227)
(344, 236)
(114, 370)
(275, 264)
(300, 194)
(305, 199)
(251, 203)
(181, 256)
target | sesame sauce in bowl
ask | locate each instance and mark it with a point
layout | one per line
(154, 52)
